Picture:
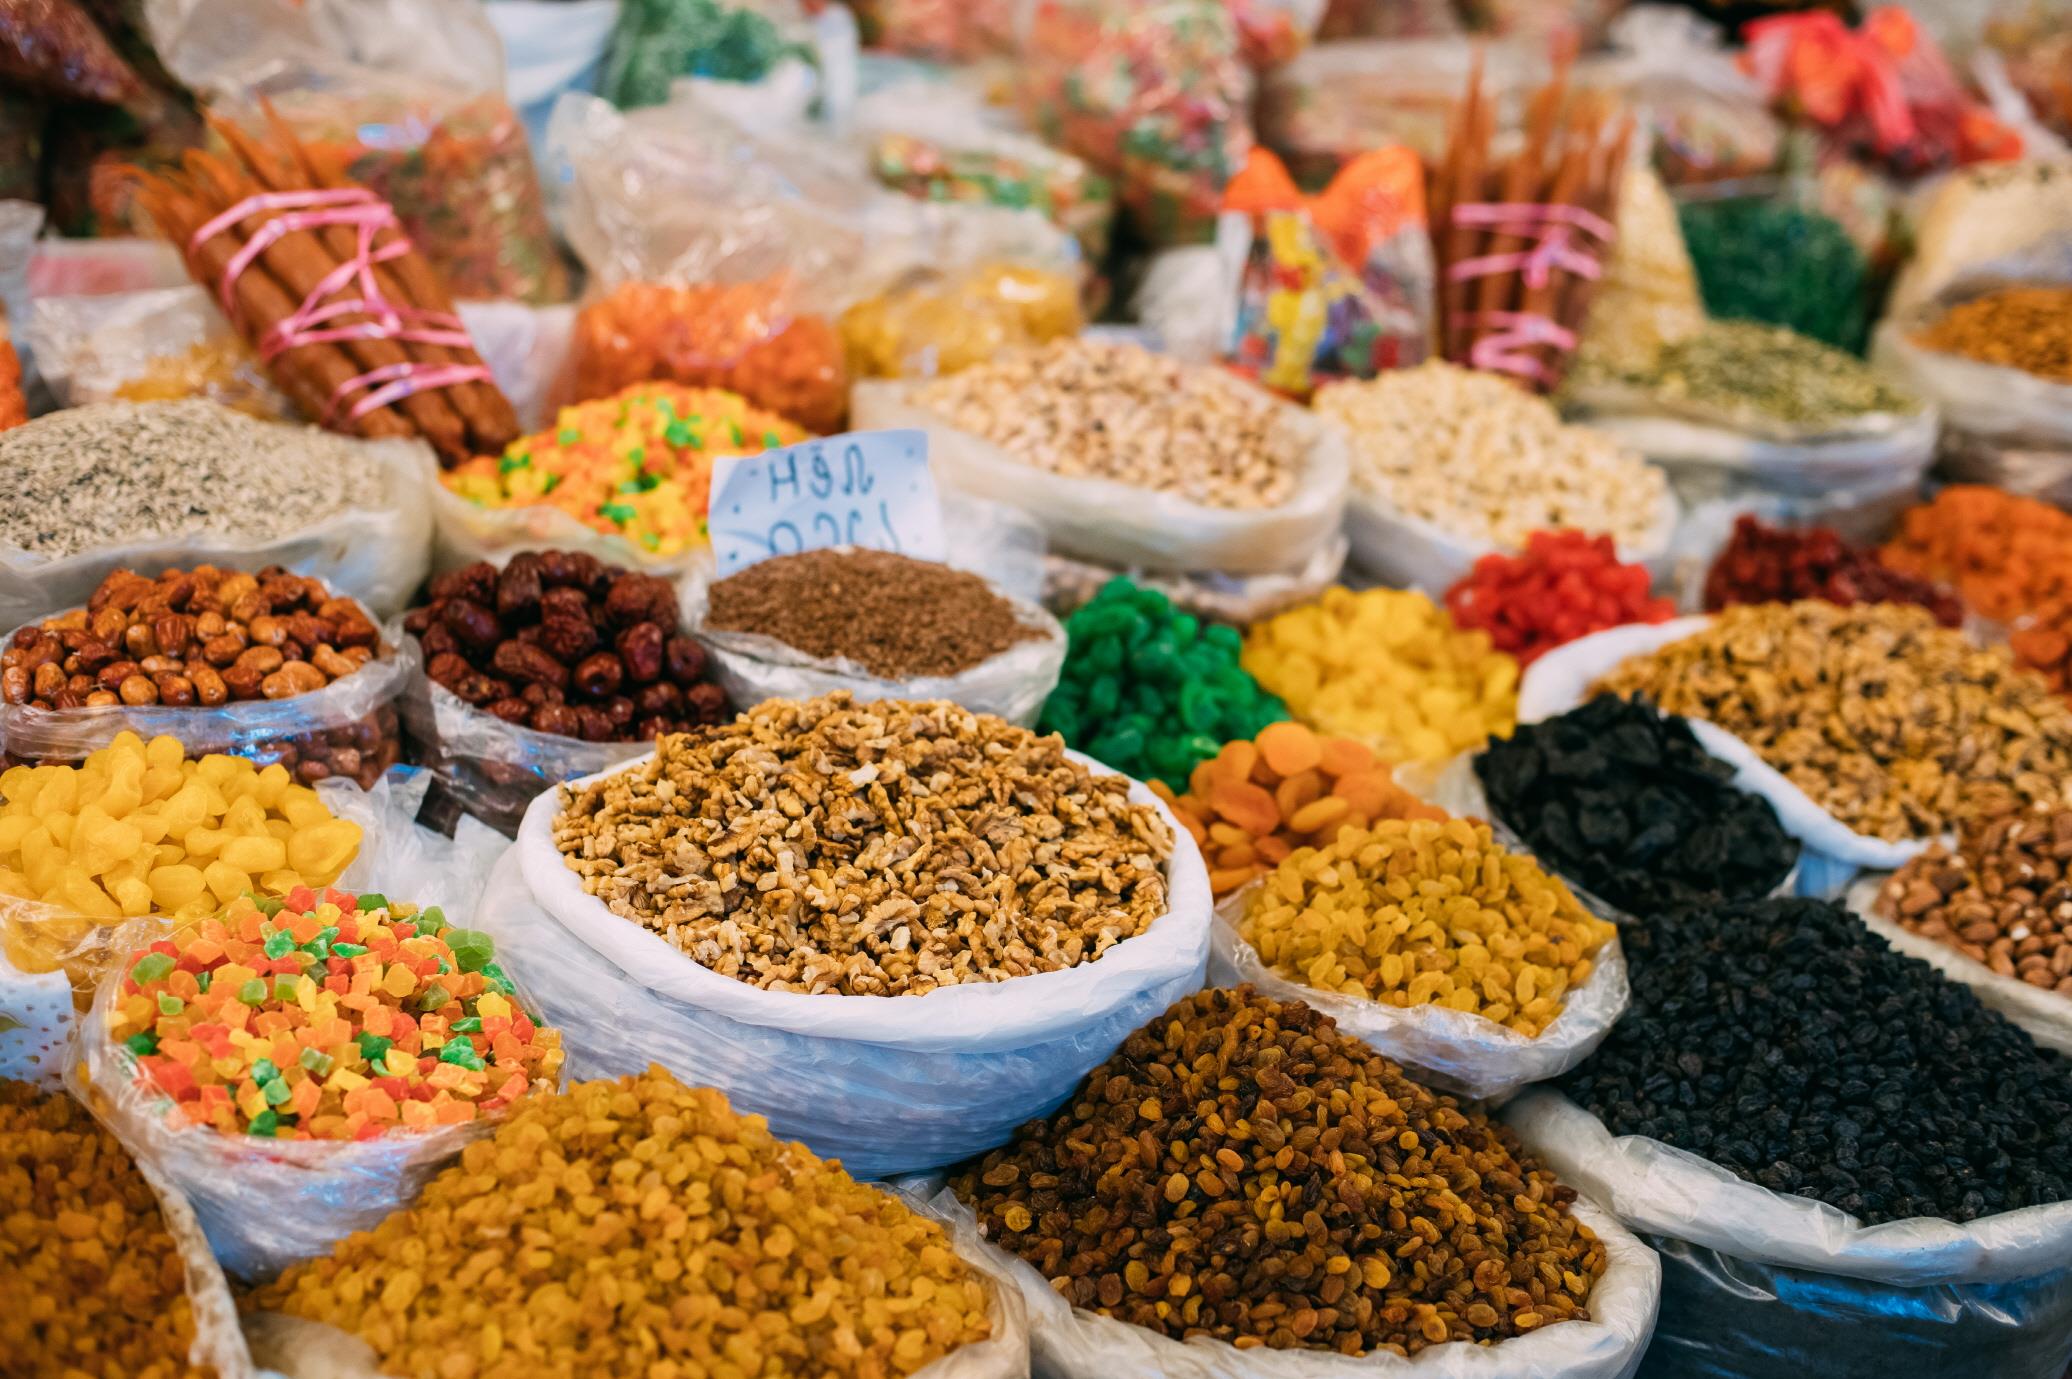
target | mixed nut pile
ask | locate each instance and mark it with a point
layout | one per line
(2002, 897)
(880, 849)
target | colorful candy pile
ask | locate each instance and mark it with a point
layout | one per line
(1389, 667)
(332, 1017)
(1148, 690)
(1563, 585)
(1255, 802)
(637, 464)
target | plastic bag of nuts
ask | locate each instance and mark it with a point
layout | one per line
(556, 666)
(265, 665)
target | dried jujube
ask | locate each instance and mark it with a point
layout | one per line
(560, 642)
(1621, 800)
(1242, 1171)
(1787, 1043)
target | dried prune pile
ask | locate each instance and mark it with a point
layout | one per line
(1622, 800)
(1786, 1042)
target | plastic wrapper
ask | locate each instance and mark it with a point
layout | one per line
(550, 46)
(1235, 599)
(298, 1348)
(752, 668)
(1154, 93)
(405, 98)
(940, 325)
(1832, 852)
(36, 1020)
(1337, 100)
(266, 1203)
(1454, 1050)
(1338, 286)
(1073, 1343)
(1705, 117)
(155, 345)
(996, 168)
(885, 1084)
(1757, 1282)
(376, 554)
(1407, 552)
(350, 728)
(1648, 296)
(1115, 524)
(2043, 1014)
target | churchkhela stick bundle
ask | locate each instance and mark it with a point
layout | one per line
(351, 322)
(1520, 237)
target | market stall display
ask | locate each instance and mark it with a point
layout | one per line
(1258, 799)
(1562, 586)
(1880, 1158)
(2008, 557)
(108, 1272)
(1389, 668)
(1449, 464)
(266, 665)
(627, 477)
(1148, 689)
(1764, 564)
(1975, 729)
(1626, 805)
(846, 1277)
(880, 625)
(1175, 1147)
(140, 828)
(146, 485)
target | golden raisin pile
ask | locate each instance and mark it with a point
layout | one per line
(1243, 1171)
(93, 1284)
(639, 1226)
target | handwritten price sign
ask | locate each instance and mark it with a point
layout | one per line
(866, 488)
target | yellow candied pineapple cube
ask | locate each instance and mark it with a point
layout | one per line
(42, 859)
(75, 891)
(224, 881)
(164, 753)
(280, 828)
(256, 854)
(270, 783)
(205, 842)
(59, 794)
(14, 828)
(186, 809)
(161, 782)
(301, 807)
(150, 824)
(133, 896)
(100, 843)
(245, 817)
(122, 793)
(280, 882)
(322, 851)
(61, 828)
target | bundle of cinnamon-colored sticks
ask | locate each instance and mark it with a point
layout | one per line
(327, 378)
(1552, 200)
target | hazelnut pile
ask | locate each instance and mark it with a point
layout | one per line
(189, 637)
(560, 642)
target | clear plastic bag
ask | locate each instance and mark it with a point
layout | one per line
(2043, 1014)
(885, 1084)
(1407, 552)
(1832, 853)
(349, 728)
(1115, 524)
(266, 1203)
(142, 346)
(219, 1340)
(297, 1348)
(1072, 1343)
(1154, 93)
(1454, 1050)
(752, 668)
(1756, 1279)
(36, 1020)
(1706, 118)
(403, 96)
(376, 554)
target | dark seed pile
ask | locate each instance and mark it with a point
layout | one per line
(1623, 801)
(895, 616)
(1784, 1041)
(1241, 1170)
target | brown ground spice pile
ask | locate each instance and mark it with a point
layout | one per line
(1242, 1170)
(2026, 328)
(896, 617)
(93, 1281)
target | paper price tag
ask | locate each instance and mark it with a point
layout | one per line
(865, 488)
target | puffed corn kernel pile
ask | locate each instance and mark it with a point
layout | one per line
(1388, 667)
(1419, 912)
(139, 829)
(640, 1226)
(1487, 462)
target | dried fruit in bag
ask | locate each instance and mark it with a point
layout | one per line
(749, 338)
(942, 326)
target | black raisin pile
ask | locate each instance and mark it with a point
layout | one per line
(1784, 1041)
(1623, 801)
